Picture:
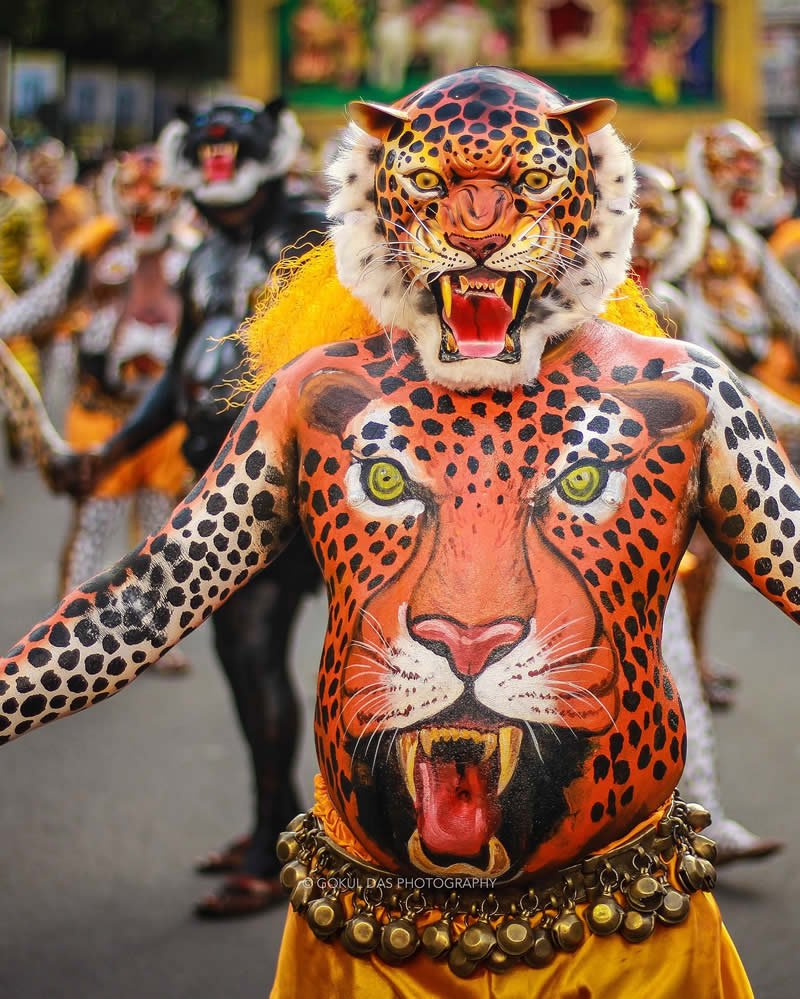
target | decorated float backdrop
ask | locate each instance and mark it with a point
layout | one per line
(671, 64)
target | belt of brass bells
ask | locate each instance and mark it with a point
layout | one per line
(627, 890)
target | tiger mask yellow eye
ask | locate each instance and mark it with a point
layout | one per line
(536, 180)
(582, 483)
(427, 181)
(385, 481)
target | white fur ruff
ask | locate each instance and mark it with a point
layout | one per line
(690, 239)
(377, 282)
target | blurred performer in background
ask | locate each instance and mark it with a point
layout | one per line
(668, 240)
(124, 267)
(25, 248)
(232, 158)
(754, 301)
(25, 254)
(51, 169)
(743, 305)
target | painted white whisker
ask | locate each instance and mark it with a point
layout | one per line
(377, 627)
(534, 740)
(370, 647)
(582, 693)
(376, 715)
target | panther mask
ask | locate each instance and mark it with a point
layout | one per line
(221, 155)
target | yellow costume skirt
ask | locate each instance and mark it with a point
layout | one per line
(693, 960)
(158, 465)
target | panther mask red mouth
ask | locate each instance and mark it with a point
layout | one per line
(218, 160)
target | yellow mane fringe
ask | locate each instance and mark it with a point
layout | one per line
(304, 305)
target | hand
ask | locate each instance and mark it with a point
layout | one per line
(90, 239)
(75, 472)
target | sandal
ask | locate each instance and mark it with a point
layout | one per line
(172, 663)
(754, 851)
(719, 689)
(228, 860)
(243, 895)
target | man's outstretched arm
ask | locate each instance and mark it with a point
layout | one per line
(103, 634)
(749, 494)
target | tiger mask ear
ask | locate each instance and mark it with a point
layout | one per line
(330, 399)
(376, 119)
(586, 116)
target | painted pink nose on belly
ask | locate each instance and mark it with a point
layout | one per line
(470, 646)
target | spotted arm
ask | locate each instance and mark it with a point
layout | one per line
(103, 634)
(749, 495)
(46, 300)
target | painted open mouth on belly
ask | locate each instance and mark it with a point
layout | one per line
(455, 777)
(478, 311)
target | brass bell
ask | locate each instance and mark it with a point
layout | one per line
(705, 847)
(302, 894)
(605, 915)
(514, 936)
(674, 906)
(436, 938)
(664, 847)
(541, 951)
(296, 822)
(637, 926)
(477, 940)
(459, 963)
(568, 930)
(664, 827)
(708, 873)
(645, 893)
(287, 847)
(292, 873)
(500, 962)
(361, 933)
(689, 872)
(399, 940)
(325, 916)
(697, 816)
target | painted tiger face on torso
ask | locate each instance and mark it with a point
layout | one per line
(491, 697)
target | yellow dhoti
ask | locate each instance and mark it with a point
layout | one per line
(696, 960)
(693, 960)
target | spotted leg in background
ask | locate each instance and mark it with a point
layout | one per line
(699, 781)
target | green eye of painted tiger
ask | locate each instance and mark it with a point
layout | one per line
(582, 483)
(385, 482)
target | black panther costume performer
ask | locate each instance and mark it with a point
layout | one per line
(232, 159)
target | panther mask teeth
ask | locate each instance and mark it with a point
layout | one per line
(218, 160)
(478, 311)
